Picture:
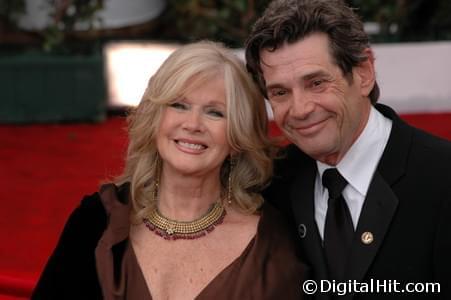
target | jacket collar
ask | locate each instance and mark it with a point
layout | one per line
(394, 160)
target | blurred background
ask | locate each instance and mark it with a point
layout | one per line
(70, 69)
(110, 48)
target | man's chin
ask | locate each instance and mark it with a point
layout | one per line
(321, 154)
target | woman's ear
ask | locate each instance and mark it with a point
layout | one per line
(365, 72)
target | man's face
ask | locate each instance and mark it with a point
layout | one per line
(316, 106)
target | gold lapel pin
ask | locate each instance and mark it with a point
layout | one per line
(367, 238)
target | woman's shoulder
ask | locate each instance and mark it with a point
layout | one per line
(70, 271)
(93, 210)
(275, 224)
(276, 234)
(114, 197)
(279, 253)
(118, 192)
(88, 216)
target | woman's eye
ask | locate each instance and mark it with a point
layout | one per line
(178, 105)
(216, 113)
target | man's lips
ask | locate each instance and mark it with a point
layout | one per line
(308, 129)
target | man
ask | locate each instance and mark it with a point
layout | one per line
(369, 195)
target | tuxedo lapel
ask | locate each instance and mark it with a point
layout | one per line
(377, 212)
(301, 194)
(381, 201)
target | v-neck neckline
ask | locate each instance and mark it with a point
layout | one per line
(227, 269)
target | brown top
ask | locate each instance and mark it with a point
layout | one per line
(267, 269)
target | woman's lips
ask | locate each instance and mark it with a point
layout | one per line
(188, 146)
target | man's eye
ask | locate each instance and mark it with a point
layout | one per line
(317, 82)
(278, 92)
(178, 105)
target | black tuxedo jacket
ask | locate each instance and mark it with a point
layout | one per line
(407, 209)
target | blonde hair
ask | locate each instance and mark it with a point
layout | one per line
(185, 69)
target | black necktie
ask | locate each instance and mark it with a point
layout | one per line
(338, 229)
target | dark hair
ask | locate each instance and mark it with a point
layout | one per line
(288, 21)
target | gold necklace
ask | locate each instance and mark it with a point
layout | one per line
(174, 230)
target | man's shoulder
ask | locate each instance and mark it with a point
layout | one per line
(274, 218)
(428, 145)
(431, 151)
(413, 140)
(438, 145)
(290, 159)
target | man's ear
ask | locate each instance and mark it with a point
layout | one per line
(365, 72)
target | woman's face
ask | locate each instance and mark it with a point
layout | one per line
(192, 138)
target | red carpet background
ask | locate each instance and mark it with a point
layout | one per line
(46, 169)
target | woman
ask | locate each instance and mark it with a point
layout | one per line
(186, 219)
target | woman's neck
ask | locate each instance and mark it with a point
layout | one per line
(187, 198)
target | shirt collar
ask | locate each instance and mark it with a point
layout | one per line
(359, 163)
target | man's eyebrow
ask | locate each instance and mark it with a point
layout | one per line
(275, 86)
(318, 73)
(307, 76)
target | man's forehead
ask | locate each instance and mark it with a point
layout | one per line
(312, 49)
(294, 63)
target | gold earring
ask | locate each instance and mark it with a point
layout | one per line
(229, 188)
(157, 178)
(155, 189)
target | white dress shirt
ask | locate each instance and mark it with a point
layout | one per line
(357, 167)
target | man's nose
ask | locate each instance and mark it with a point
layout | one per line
(301, 105)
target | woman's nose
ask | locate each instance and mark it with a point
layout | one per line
(193, 121)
